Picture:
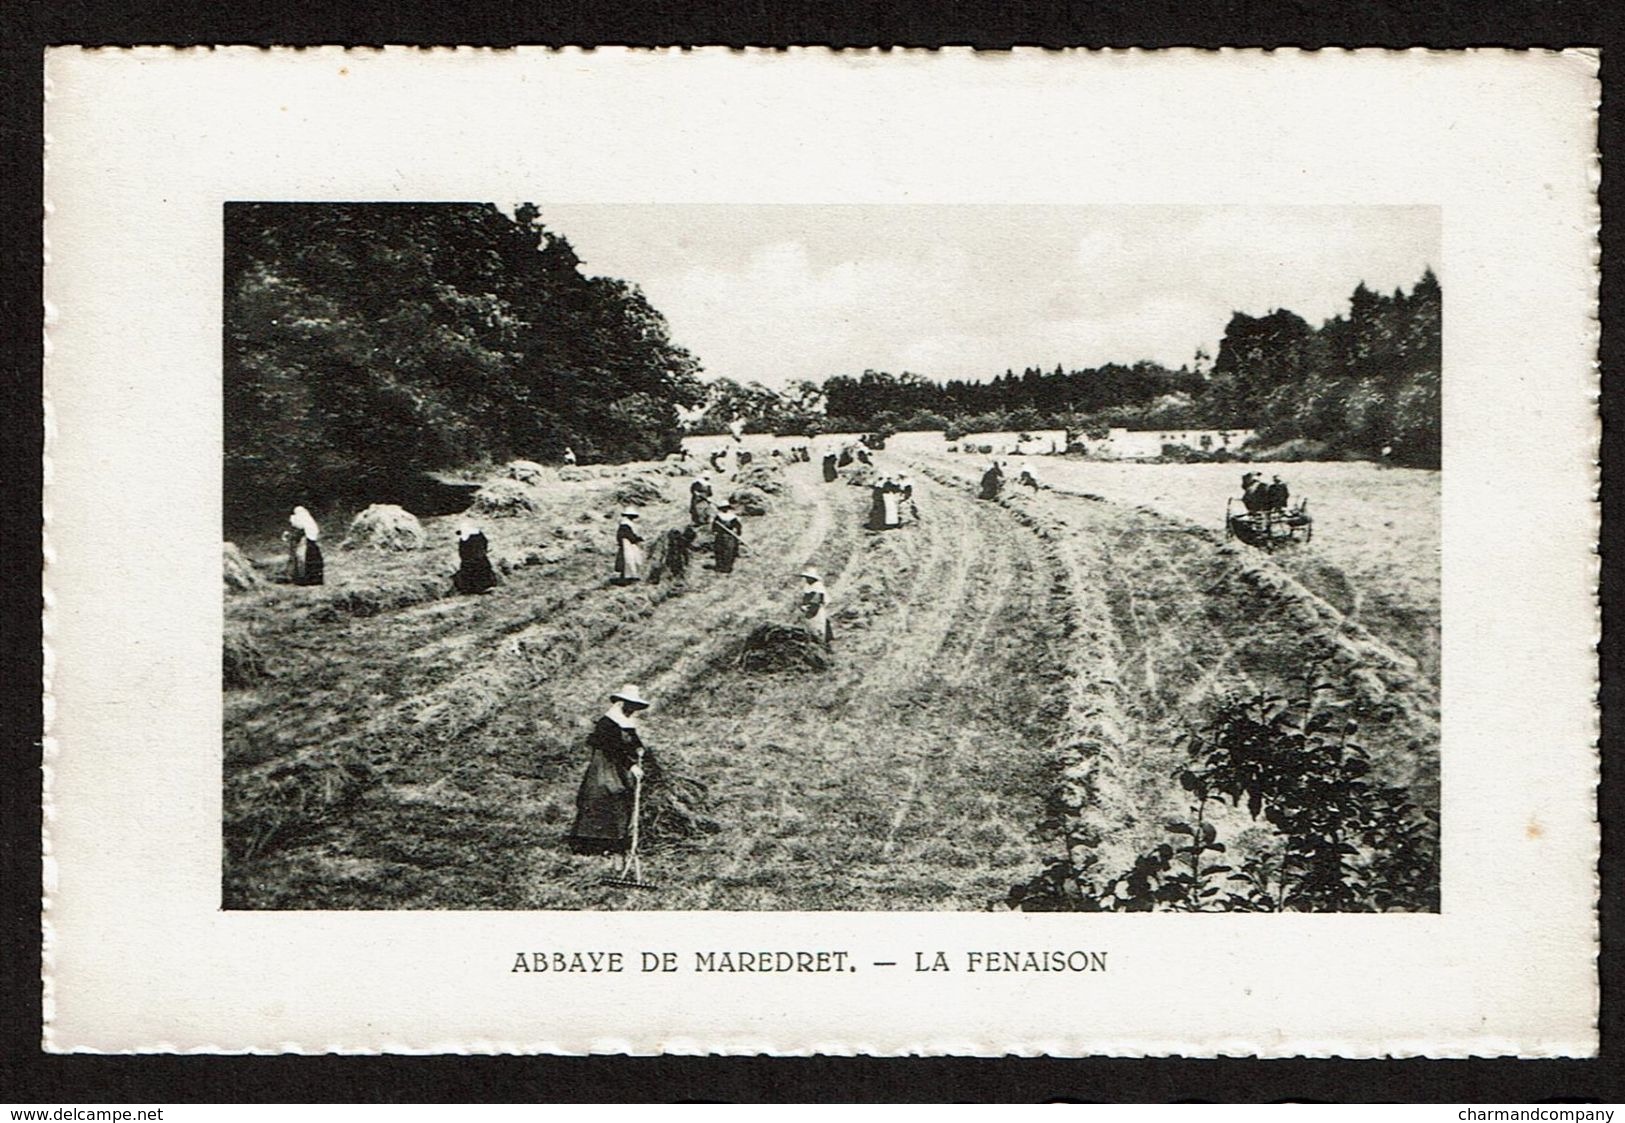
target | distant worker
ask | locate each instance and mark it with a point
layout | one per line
(829, 468)
(1254, 493)
(718, 457)
(474, 573)
(905, 488)
(992, 481)
(629, 556)
(889, 492)
(617, 765)
(1027, 479)
(1277, 494)
(877, 505)
(699, 500)
(744, 456)
(814, 606)
(569, 455)
(727, 536)
(304, 555)
(674, 548)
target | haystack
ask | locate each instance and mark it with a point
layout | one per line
(502, 499)
(749, 501)
(242, 660)
(240, 573)
(637, 492)
(572, 475)
(384, 526)
(675, 808)
(767, 477)
(783, 647)
(525, 471)
(863, 475)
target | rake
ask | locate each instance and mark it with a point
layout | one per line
(631, 874)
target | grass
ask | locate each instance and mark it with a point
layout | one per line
(1001, 673)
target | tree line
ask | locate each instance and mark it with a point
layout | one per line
(1362, 384)
(366, 343)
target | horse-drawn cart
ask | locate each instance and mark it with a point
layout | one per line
(1269, 528)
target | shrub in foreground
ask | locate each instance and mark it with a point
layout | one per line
(1342, 841)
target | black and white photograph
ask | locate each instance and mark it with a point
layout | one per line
(1027, 558)
(736, 552)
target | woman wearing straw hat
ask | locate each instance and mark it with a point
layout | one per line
(617, 763)
(628, 549)
(304, 555)
(815, 606)
(726, 537)
(474, 573)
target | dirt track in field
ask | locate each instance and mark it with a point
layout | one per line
(921, 771)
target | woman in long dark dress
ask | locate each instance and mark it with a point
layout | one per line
(617, 761)
(829, 467)
(474, 572)
(877, 505)
(727, 531)
(304, 553)
(992, 481)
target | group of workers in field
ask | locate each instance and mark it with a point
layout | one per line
(619, 765)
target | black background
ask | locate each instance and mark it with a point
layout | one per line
(29, 1077)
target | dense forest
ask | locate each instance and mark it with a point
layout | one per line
(1358, 384)
(366, 343)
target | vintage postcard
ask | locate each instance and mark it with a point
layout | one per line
(910, 553)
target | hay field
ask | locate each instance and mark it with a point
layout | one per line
(996, 665)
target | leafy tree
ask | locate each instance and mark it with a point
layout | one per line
(365, 343)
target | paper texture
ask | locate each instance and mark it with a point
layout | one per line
(146, 147)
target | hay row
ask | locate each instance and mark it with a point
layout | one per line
(373, 600)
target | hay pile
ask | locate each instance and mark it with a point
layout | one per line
(242, 661)
(863, 475)
(373, 600)
(767, 477)
(525, 471)
(267, 809)
(783, 647)
(637, 492)
(384, 526)
(573, 475)
(749, 501)
(240, 573)
(675, 809)
(500, 499)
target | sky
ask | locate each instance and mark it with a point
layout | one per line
(773, 294)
